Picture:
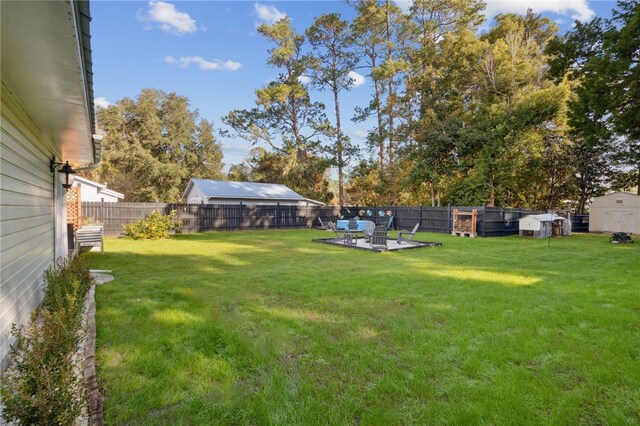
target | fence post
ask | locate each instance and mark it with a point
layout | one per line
(484, 218)
(102, 215)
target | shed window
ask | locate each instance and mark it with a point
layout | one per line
(619, 200)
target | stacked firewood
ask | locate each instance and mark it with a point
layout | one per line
(465, 225)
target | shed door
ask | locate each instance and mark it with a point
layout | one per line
(620, 221)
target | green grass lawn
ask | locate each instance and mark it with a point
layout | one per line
(267, 327)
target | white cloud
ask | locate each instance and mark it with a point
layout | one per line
(357, 80)
(169, 18)
(101, 102)
(577, 9)
(268, 14)
(404, 5)
(304, 79)
(203, 64)
(360, 134)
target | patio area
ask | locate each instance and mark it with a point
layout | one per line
(392, 244)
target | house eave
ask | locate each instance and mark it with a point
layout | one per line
(46, 68)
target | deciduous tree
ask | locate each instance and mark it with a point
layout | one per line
(154, 144)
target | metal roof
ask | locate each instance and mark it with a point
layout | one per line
(244, 190)
(546, 217)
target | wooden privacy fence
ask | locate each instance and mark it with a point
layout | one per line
(208, 217)
(491, 222)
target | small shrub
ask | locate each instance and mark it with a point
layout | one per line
(67, 284)
(154, 227)
(42, 386)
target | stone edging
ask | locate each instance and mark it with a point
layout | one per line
(95, 399)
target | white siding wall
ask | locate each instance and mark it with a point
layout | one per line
(88, 192)
(194, 195)
(101, 196)
(617, 212)
(27, 223)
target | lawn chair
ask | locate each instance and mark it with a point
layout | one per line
(390, 223)
(368, 230)
(325, 226)
(409, 235)
(349, 238)
(332, 227)
(379, 237)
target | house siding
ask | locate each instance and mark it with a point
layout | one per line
(28, 240)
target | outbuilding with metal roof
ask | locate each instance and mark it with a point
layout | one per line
(206, 191)
(544, 225)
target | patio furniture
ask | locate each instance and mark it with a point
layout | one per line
(390, 223)
(333, 228)
(344, 224)
(353, 224)
(350, 238)
(368, 230)
(325, 226)
(379, 237)
(90, 235)
(409, 235)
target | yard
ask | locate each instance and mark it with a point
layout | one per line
(267, 327)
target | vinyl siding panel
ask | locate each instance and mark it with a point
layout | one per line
(22, 295)
(26, 220)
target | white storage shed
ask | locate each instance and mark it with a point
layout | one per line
(615, 212)
(544, 225)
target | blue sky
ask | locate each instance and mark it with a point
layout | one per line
(210, 51)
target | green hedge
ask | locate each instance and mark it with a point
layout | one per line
(156, 226)
(42, 387)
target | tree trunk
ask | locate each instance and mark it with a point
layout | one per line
(296, 129)
(390, 104)
(339, 146)
(492, 192)
(433, 194)
(552, 190)
(390, 94)
(380, 124)
(581, 203)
